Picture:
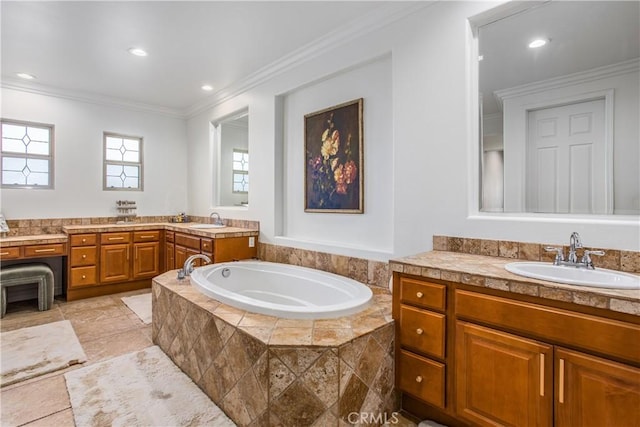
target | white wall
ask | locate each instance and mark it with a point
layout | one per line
(79, 128)
(434, 158)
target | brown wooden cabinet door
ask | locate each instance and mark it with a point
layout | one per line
(170, 256)
(146, 259)
(591, 391)
(114, 263)
(502, 379)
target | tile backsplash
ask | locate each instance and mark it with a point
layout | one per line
(30, 227)
(613, 259)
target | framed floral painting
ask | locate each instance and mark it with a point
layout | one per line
(334, 159)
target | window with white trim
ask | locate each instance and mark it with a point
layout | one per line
(240, 171)
(26, 154)
(122, 162)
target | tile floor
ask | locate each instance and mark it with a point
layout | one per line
(105, 327)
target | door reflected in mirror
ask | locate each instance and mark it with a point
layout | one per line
(233, 160)
(559, 122)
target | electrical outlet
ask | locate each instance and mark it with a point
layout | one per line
(252, 242)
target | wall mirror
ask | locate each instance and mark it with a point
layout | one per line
(232, 172)
(559, 122)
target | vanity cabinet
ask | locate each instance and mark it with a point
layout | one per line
(146, 254)
(83, 260)
(218, 249)
(115, 254)
(104, 263)
(169, 251)
(595, 391)
(421, 328)
(498, 358)
(502, 379)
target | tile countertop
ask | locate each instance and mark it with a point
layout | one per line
(214, 233)
(489, 272)
(39, 239)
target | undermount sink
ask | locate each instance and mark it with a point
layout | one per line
(207, 226)
(598, 278)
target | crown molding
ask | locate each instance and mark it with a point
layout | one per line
(372, 21)
(607, 71)
(91, 98)
(382, 16)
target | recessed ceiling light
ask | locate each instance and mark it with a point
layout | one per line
(207, 88)
(137, 51)
(537, 43)
(480, 57)
(26, 76)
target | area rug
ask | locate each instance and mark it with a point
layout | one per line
(140, 305)
(143, 388)
(37, 350)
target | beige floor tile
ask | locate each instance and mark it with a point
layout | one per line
(33, 401)
(91, 329)
(97, 313)
(24, 319)
(87, 304)
(116, 345)
(59, 419)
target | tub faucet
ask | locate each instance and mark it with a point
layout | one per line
(218, 220)
(188, 265)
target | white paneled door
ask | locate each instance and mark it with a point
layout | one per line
(566, 159)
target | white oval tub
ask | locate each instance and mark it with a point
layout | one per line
(281, 290)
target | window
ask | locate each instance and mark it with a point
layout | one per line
(240, 171)
(26, 154)
(122, 162)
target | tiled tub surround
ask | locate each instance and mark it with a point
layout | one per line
(489, 272)
(267, 371)
(373, 273)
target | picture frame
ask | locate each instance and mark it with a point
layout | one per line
(334, 159)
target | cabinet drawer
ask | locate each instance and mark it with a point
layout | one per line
(170, 236)
(146, 236)
(83, 276)
(109, 238)
(10, 253)
(44, 250)
(422, 331)
(84, 255)
(422, 294)
(84, 239)
(422, 378)
(188, 241)
(207, 245)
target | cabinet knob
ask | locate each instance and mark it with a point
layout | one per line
(419, 331)
(84, 256)
(84, 277)
(84, 240)
(419, 294)
(418, 379)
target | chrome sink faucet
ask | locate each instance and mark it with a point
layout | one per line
(572, 258)
(187, 268)
(216, 217)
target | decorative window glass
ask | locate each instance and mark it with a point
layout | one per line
(26, 154)
(122, 162)
(240, 171)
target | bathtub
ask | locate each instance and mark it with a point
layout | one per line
(281, 290)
